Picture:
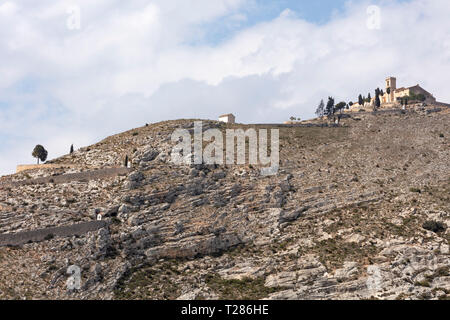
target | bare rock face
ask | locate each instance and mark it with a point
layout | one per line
(355, 211)
(149, 155)
(282, 280)
(136, 176)
(134, 180)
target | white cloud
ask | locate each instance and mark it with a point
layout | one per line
(139, 61)
(7, 9)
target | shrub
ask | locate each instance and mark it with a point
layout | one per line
(423, 283)
(245, 289)
(435, 226)
(49, 236)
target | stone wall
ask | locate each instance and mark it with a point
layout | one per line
(66, 178)
(442, 104)
(20, 238)
(23, 167)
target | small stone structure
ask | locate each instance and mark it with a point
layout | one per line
(227, 118)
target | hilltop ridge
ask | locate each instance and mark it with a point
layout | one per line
(358, 210)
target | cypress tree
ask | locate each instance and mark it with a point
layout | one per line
(329, 110)
(360, 100)
(320, 109)
(377, 101)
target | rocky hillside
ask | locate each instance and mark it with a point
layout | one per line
(360, 210)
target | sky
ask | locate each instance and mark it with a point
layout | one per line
(74, 72)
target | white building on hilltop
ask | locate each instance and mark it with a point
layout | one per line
(227, 118)
(393, 96)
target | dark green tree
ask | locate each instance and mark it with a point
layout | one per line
(404, 101)
(377, 101)
(340, 106)
(377, 98)
(40, 153)
(360, 100)
(320, 109)
(329, 110)
(71, 149)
